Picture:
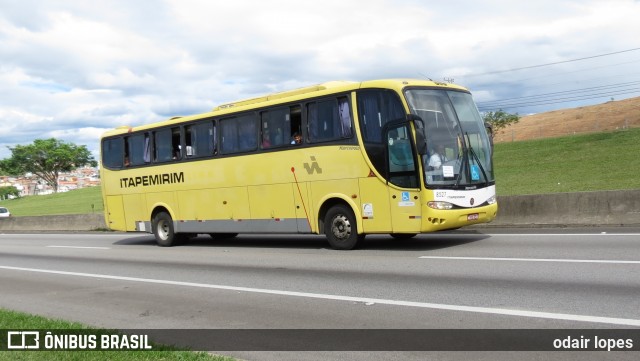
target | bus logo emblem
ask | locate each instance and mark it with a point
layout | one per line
(23, 340)
(314, 167)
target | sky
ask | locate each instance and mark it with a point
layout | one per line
(74, 69)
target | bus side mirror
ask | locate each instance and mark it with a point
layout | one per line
(421, 139)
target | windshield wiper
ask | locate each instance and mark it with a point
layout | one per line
(462, 163)
(475, 156)
(468, 149)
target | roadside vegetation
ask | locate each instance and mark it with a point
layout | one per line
(577, 163)
(79, 201)
(11, 320)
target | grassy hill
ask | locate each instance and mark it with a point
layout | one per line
(599, 161)
(79, 201)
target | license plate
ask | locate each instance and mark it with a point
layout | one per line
(473, 217)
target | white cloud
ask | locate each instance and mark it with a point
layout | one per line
(88, 136)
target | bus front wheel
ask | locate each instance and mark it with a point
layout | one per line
(162, 226)
(340, 228)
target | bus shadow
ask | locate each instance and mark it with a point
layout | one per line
(146, 240)
(246, 240)
(260, 241)
(423, 242)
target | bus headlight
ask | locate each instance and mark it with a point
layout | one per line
(491, 200)
(440, 205)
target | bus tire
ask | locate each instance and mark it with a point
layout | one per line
(162, 226)
(341, 229)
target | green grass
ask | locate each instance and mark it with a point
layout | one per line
(79, 201)
(577, 163)
(600, 161)
(11, 320)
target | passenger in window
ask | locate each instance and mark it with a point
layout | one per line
(266, 142)
(296, 139)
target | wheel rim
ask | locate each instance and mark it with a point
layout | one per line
(341, 227)
(163, 230)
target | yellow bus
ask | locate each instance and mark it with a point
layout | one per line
(343, 159)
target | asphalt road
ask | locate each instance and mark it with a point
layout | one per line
(559, 278)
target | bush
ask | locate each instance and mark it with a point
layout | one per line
(9, 192)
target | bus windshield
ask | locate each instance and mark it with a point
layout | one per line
(458, 148)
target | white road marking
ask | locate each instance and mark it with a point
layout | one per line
(365, 300)
(78, 247)
(533, 260)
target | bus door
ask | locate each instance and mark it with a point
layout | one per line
(403, 179)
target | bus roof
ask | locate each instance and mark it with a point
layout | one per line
(290, 96)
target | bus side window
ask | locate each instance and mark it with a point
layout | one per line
(239, 134)
(295, 115)
(247, 133)
(275, 127)
(176, 147)
(113, 153)
(135, 150)
(376, 108)
(199, 139)
(162, 145)
(329, 120)
(189, 135)
(229, 136)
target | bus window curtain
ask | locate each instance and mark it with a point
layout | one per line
(378, 108)
(147, 149)
(371, 117)
(212, 140)
(345, 118)
(312, 121)
(229, 136)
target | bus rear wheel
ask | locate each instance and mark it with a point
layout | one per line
(162, 227)
(340, 228)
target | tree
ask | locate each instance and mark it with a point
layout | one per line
(500, 120)
(6, 192)
(46, 158)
